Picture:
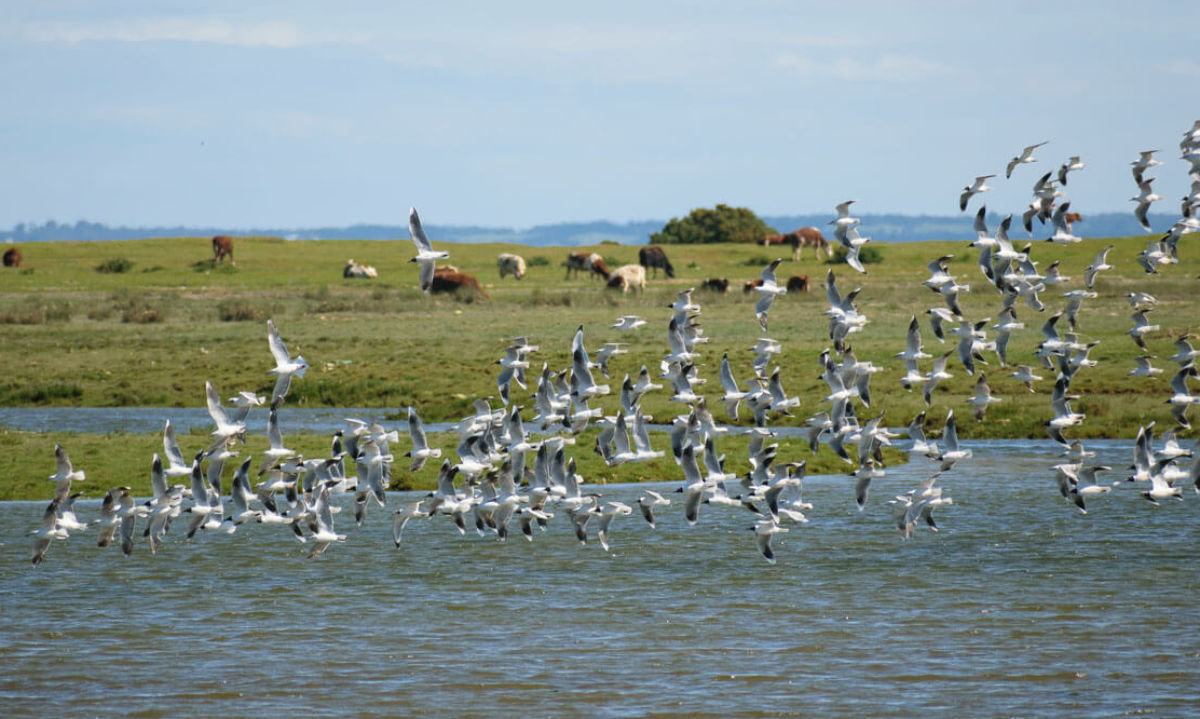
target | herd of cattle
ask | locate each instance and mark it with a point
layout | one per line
(652, 258)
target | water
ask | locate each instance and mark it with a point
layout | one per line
(1020, 606)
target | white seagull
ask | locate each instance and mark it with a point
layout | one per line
(427, 257)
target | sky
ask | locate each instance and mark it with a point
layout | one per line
(515, 114)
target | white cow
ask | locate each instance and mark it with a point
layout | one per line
(628, 277)
(353, 270)
(511, 265)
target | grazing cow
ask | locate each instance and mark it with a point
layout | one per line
(12, 257)
(715, 284)
(652, 256)
(222, 248)
(799, 239)
(511, 265)
(353, 270)
(797, 283)
(752, 285)
(627, 277)
(592, 263)
(1071, 218)
(448, 278)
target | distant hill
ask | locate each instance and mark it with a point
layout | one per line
(882, 228)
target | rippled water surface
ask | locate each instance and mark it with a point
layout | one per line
(1020, 606)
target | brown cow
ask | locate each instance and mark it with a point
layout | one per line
(798, 240)
(591, 263)
(1071, 218)
(449, 279)
(752, 285)
(653, 256)
(715, 284)
(222, 248)
(797, 283)
(12, 257)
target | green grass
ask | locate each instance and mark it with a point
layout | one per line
(78, 337)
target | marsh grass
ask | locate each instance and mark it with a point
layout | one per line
(405, 347)
(35, 311)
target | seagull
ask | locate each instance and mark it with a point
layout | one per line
(1184, 352)
(286, 366)
(1140, 328)
(421, 451)
(64, 475)
(409, 510)
(1144, 162)
(1182, 397)
(973, 189)
(1143, 368)
(950, 453)
(583, 386)
(1024, 158)
(768, 289)
(1025, 374)
(1072, 165)
(982, 398)
(276, 451)
(648, 501)
(764, 530)
(48, 532)
(1139, 299)
(608, 512)
(938, 374)
(628, 322)
(427, 257)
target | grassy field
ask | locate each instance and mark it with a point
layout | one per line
(151, 333)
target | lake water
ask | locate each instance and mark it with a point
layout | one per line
(1020, 606)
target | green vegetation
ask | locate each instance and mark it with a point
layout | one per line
(720, 224)
(74, 337)
(867, 254)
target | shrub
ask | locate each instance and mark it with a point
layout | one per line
(758, 261)
(538, 261)
(115, 265)
(236, 310)
(720, 224)
(867, 254)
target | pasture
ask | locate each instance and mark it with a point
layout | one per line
(163, 319)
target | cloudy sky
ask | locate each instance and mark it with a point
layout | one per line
(300, 114)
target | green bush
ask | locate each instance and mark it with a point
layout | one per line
(867, 254)
(720, 224)
(115, 265)
(538, 261)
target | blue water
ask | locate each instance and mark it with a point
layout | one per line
(1020, 606)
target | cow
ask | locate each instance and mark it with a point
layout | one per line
(627, 277)
(511, 265)
(652, 256)
(448, 278)
(353, 270)
(715, 284)
(1071, 218)
(592, 263)
(222, 248)
(797, 283)
(12, 257)
(798, 240)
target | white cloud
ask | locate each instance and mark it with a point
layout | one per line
(266, 34)
(885, 68)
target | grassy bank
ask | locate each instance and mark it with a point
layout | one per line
(162, 320)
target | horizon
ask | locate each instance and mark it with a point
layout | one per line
(290, 115)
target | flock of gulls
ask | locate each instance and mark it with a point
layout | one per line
(519, 469)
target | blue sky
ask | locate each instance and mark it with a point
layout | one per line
(300, 114)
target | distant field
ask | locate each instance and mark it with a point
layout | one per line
(152, 334)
